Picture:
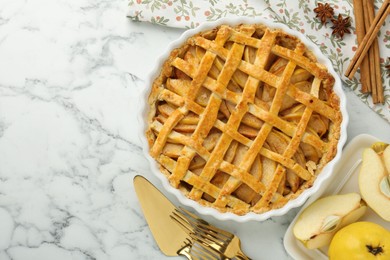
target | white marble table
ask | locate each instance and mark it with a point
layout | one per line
(70, 72)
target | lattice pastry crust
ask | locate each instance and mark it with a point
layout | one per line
(243, 119)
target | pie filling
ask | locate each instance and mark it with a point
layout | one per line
(243, 119)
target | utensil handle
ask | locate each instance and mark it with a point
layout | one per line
(240, 255)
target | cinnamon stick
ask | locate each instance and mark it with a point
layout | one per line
(368, 39)
(360, 32)
(370, 55)
(378, 98)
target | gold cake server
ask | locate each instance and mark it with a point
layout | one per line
(171, 238)
(157, 210)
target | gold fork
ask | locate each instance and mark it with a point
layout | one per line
(227, 244)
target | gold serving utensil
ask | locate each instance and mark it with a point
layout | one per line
(226, 243)
(170, 237)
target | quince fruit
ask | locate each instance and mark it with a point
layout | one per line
(360, 240)
(317, 224)
(374, 178)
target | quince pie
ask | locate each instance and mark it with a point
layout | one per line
(243, 119)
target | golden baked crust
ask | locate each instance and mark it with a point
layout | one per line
(243, 119)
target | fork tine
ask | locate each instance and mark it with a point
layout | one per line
(182, 221)
(205, 225)
(213, 233)
(200, 229)
(207, 243)
(194, 216)
(211, 236)
(194, 233)
(210, 240)
(199, 249)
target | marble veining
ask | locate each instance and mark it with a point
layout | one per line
(70, 75)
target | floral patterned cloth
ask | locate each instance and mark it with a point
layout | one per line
(297, 15)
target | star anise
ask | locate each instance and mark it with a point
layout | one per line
(324, 11)
(388, 66)
(341, 25)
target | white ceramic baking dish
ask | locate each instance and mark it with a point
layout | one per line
(321, 178)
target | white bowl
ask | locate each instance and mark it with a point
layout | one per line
(321, 178)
